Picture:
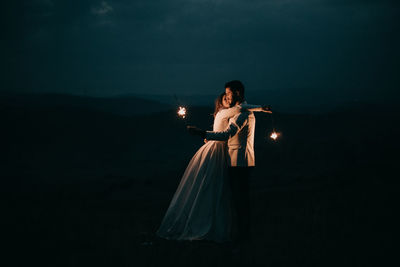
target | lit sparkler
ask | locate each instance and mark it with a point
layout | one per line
(274, 135)
(182, 112)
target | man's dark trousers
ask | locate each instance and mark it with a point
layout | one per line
(239, 185)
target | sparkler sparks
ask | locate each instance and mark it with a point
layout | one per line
(182, 112)
(274, 135)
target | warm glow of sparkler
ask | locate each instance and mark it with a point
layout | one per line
(274, 135)
(182, 112)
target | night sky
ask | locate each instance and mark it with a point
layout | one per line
(104, 48)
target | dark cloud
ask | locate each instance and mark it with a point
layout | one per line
(108, 47)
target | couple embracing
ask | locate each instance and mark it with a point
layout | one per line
(212, 199)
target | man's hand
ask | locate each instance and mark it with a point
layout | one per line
(193, 130)
(267, 109)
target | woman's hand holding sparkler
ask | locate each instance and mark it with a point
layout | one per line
(193, 130)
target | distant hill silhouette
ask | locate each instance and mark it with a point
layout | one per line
(297, 101)
(121, 105)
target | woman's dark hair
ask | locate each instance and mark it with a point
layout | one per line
(218, 103)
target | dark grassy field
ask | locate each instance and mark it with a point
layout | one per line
(89, 187)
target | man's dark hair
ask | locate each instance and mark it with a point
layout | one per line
(237, 88)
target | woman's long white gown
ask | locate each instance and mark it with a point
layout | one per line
(201, 207)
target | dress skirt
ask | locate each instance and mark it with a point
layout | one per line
(201, 206)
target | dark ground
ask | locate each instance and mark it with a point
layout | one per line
(87, 187)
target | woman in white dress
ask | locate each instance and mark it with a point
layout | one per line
(201, 207)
